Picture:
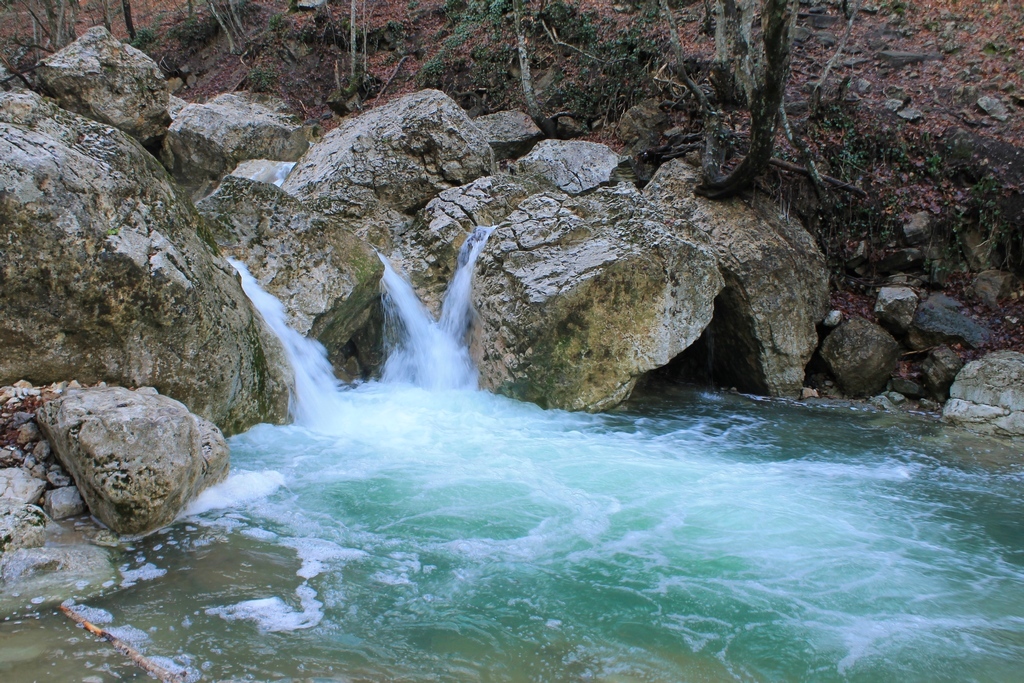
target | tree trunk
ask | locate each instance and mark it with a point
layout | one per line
(126, 5)
(777, 18)
(532, 106)
(353, 41)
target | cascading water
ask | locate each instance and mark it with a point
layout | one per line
(425, 352)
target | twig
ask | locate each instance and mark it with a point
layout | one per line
(816, 93)
(137, 658)
(835, 182)
(812, 168)
(393, 74)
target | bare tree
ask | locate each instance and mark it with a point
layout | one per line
(751, 68)
(55, 21)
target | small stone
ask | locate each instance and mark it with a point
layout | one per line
(28, 433)
(940, 369)
(834, 317)
(42, 451)
(908, 388)
(895, 308)
(20, 418)
(992, 285)
(882, 402)
(22, 384)
(918, 230)
(73, 384)
(38, 472)
(808, 392)
(862, 86)
(64, 502)
(58, 479)
(928, 404)
(19, 486)
(993, 107)
(898, 59)
(893, 105)
(896, 397)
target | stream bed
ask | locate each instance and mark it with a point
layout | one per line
(415, 535)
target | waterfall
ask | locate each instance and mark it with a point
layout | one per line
(423, 351)
(316, 388)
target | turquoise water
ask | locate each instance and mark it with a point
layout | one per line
(460, 536)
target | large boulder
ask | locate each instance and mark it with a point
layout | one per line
(570, 166)
(940, 368)
(511, 134)
(398, 156)
(100, 77)
(207, 141)
(138, 458)
(110, 274)
(988, 395)
(776, 284)
(327, 278)
(579, 297)
(861, 356)
(21, 526)
(641, 126)
(938, 320)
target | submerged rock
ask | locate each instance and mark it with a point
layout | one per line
(138, 458)
(207, 141)
(988, 395)
(398, 156)
(100, 77)
(776, 284)
(110, 274)
(21, 526)
(578, 297)
(861, 356)
(53, 574)
(327, 278)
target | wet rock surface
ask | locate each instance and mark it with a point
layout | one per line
(988, 395)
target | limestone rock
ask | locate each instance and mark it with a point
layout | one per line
(861, 355)
(21, 526)
(327, 278)
(988, 395)
(64, 502)
(19, 486)
(511, 133)
(100, 77)
(994, 107)
(992, 285)
(175, 105)
(895, 308)
(918, 230)
(53, 573)
(206, 141)
(397, 156)
(138, 459)
(938, 320)
(641, 126)
(578, 297)
(570, 166)
(898, 59)
(940, 369)
(776, 284)
(110, 274)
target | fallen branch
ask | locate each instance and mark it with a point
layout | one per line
(136, 657)
(393, 74)
(835, 182)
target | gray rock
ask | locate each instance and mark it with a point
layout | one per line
(895, 308)
(21, 526)
(578, 297)
(994, 107)
(939, 321)
(206, 141)
(898, 59)
(927, 404)
(861, 356)
(398, 156)
(570, 166)
(992, 285)
(833, 318)
(175, 105)
(63, 502)
(776, 283)
(511, 133)
(641, 126)
(310, 4)
(900, 260)
(58, 479)
(896, 397)
(28, 433)
(326, 277)
(918, 230)
(100, 77)
(41, 451)
(19, 486)
(882, 402)
(940, 369)
(110, 274)
(908, 388)
(910, 114)
(138, 459)
(988, 394)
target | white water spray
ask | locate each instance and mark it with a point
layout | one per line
(314, 400)
(429, 353)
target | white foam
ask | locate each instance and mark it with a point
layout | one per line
(129, 634)
(94, 615)
(315, 553)
(237, 489)
(274, 615)
(146, 572)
